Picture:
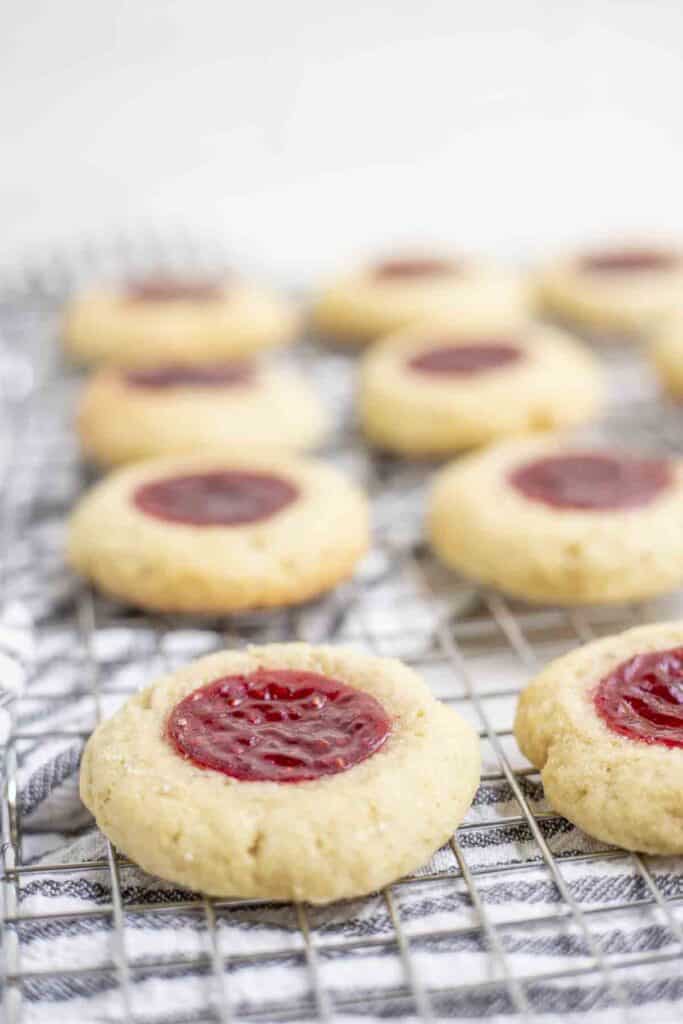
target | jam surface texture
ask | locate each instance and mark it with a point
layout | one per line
(627, 261)
(465, 360)
(165, 288)
(278, 725)
(219, 498)
(215, 375)
(643, 698)
(592, 481)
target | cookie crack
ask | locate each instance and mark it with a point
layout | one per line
(255, 845)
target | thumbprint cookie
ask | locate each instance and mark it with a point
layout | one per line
(378, 298)
(604, 725)
(154, 320)
(126, 415)
(283, 772)
(219, 533)
(550, 522)
(434, 391)
(616, 290)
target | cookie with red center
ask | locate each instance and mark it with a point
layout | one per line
(621, 289)
(398, 291)
(218, 534)
(604, 725)
(282, 772)
(550, 522)
(161, 319)
(431, 391)
(176, 408)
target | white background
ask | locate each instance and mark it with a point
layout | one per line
(302, 130)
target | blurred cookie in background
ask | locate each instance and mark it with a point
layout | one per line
(666, 352)
(183, 319)
(433, 391)
(219, 533)
(363, 304)
(133, 414)
(617, 290)
(552, 521)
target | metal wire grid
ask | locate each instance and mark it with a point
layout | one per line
(464, 625)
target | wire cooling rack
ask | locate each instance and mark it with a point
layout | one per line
(519, 916)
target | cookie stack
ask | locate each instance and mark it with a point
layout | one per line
(293, 772)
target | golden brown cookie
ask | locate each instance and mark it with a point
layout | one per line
(172, 409)
(604, 725)
(430, 391)
(284, 772)
(666, 351)
(219, 533)
(621, 290)
(553, 522)
(376, 299)
(176, 320)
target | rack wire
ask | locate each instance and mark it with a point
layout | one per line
(519, 916)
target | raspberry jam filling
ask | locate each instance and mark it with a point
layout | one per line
(219, 498)
(592, 481)
(643, 698)
(216, 375)
(278, 725)
(173, 289)
(465, 360)
(625, 261)
(410, 269)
